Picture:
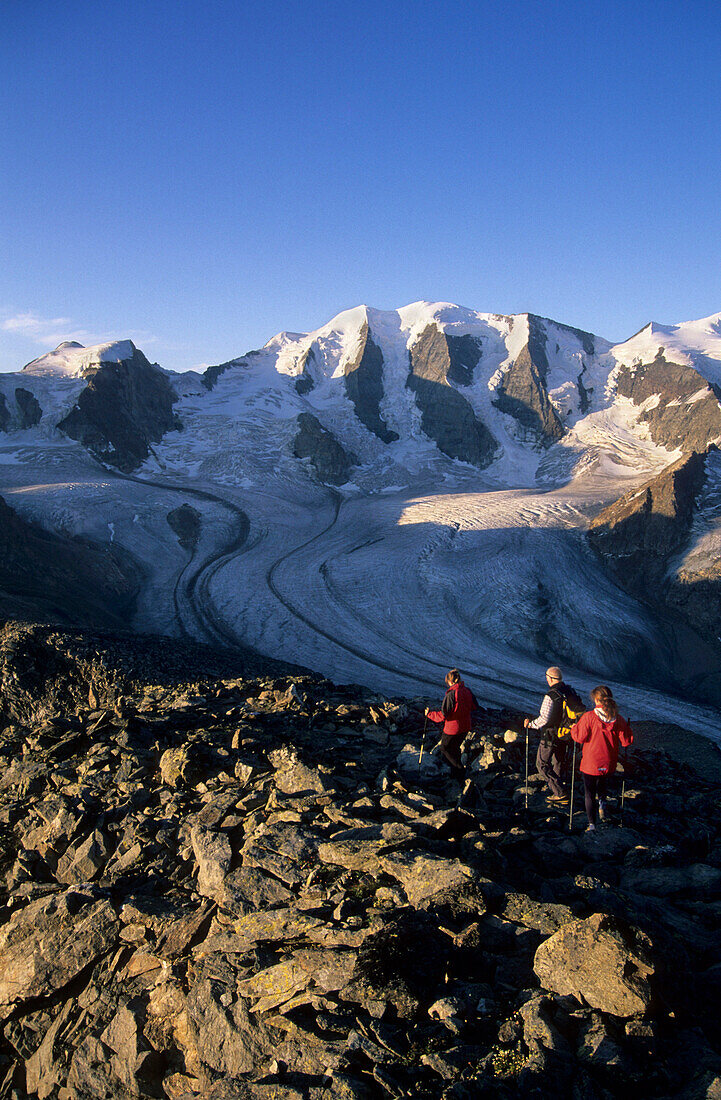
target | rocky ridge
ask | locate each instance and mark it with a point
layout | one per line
(639, 537)
(328, 458)
(46, 576)
(446, 416)
(223, 884)
(638, 534)
(125, 408)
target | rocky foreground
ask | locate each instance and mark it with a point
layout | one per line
(223, 885)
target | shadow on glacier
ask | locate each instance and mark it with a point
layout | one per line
(541, 593)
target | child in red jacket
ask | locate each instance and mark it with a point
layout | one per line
(600, 731)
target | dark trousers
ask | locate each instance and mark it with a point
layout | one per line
(451, 750)
(550, 762)
(593, 785)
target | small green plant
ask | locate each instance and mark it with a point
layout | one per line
(507, 1061)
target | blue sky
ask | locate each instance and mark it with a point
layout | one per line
(200, 175)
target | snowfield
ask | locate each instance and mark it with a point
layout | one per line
(419, 562)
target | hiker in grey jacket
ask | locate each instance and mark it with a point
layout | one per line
(551, 755)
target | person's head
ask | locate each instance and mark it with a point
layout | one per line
(453, 676)
(602, 697)
(554, 676)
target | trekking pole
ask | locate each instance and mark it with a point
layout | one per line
(526, 786)
(573, 783)
(423, 743)
(623, 786)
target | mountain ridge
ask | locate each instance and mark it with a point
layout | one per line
(386, 463)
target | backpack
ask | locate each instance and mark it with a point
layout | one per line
(572, 708)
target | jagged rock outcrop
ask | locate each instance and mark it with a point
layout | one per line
(4, 414)
(48, 577)
(328, 458)
(637, 535)
(285, 915)
(522, 392)
(638, 538)
(687, 412)
(186, 521)
(446, 416)
(305, 382)
(29, 410)
(697, 597)
(364, 385)
(440, 357)
(125, 408)
(213, 373)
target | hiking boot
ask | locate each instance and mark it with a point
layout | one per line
(560, 799)
(591, 828)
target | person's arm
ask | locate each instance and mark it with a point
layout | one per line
(625, 733)
(582, 729)
(545, 713)
(435, 715)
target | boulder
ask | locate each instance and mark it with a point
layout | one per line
(91, 1074)
(226, 1039)
(360, 849)
(543, 916)
(48, 943)
(214, 854)
(84, 862)
(43, 1069)
(601, 961)
(423, 875)
(293, 776)
(172, 766)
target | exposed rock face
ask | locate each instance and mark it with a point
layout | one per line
(329, 459)
(304, 383)
(605, 963)
(465, 354)
(186, 522)
(212, 374)
(687, 413)
(4, 414)
(638, 538)
(523, 394)
(52, 578)
(446, 416)
(637, 534)
(125, 407)
(279, 913)
(697, 596)
(29, 409)
(364, 386)
(438, 357)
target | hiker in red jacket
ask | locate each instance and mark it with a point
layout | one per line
(455, 713)
(600, 731)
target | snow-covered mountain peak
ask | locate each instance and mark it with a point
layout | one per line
(689, 343)
(72, 360)
(348, 322)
